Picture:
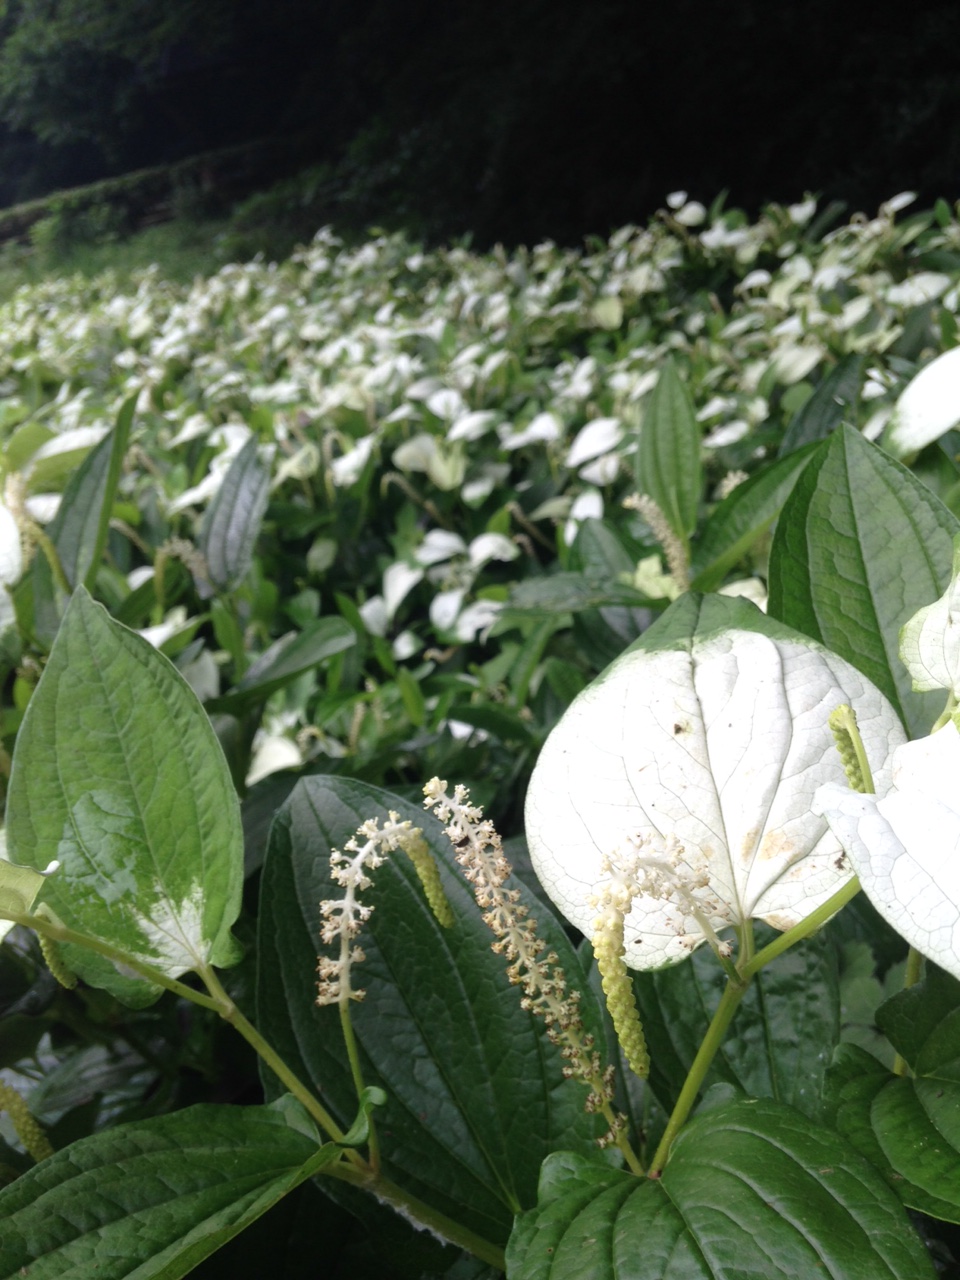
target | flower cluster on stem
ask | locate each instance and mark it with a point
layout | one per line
(613, 901)
(676, 553)
(341, 919)
(479, 852)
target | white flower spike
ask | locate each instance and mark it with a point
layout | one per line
(904, 844)
(702, 746)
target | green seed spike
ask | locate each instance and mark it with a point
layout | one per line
(55, 962)
(618, 990)
(418, 852)
(846, 734)
(28, 1131)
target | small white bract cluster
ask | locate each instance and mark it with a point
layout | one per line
(479, 852)
(671, 880)
(343, 918)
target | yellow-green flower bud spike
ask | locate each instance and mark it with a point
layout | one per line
(418, 852)
(843, 726)
(618, 990)
(28, 1131)
(55, 962)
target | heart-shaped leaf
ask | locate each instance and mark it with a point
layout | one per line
(751, 1189)
(702, 746)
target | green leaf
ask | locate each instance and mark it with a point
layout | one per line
(283, 662)
(752, 1189)
(232, 522)
(475, 1092)
(834, 400)
(743, 517)
(668, 455)
(860, 547)
(152, 1199)
(79, 529)
(782, 1036)
(118, 775)
(908, 1128)
(922, 1023)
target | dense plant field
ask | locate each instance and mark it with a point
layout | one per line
(388, 512)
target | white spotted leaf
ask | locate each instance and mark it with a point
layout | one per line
(119, 777)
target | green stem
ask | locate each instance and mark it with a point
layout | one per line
(729, 1003)
(424, 1215)
(802, 930)
(230, 1013)
(946, 714)
(60, 932)
(353, 1057)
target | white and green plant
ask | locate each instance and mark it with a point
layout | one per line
(632, 1060)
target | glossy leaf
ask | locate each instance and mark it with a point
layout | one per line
(232, 523)
(908, 1128)
(475, 1094)
(711, 732)
(668, 455)
(152, 1199)
(860, 547)
(742, 518)
(118, 775)
(834, 400)
(751, 1189)
(283, 662)
(922, 1023)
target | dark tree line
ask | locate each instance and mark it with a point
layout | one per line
(505, 118)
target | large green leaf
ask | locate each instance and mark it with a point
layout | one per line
(232, 523)
(668, 455)
(834, 400)
(782, 1036)
(118, 775)
(152, 1199)
(283, 662)
(752, 1189)
(860, 547)
(476, 1097)
(743, 517)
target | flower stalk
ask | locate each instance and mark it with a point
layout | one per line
(479, 851)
